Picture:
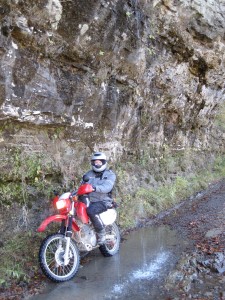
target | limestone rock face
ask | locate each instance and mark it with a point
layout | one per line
(126, 77)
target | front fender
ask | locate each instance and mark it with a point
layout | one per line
(55, 218)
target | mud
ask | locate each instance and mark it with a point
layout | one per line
(145, 259)
(178, 255)
(200, 273)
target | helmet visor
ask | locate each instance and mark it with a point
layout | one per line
(98, 163)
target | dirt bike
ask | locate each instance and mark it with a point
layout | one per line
(59, 254)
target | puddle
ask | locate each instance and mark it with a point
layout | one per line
(147, 273)
(136, 272)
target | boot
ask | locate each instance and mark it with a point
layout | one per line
(101, 236)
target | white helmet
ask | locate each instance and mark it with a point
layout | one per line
(99, 156)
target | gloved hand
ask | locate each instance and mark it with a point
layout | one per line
(115, 205)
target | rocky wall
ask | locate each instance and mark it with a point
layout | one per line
(133, 78)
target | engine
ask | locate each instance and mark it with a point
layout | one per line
(86, 237)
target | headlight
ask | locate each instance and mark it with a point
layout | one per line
(63, 205)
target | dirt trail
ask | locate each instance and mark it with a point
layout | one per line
(201, 272)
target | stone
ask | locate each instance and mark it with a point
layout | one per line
(141, 80)
(214, 232)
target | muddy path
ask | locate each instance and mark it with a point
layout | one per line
(178, 255)
(200, 273)
(145, 259)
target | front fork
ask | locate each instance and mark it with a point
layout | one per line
(68, 235)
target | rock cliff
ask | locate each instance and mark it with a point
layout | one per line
(139, 79)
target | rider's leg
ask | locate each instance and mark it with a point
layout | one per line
(94, 209)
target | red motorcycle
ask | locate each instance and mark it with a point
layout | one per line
(59, 254)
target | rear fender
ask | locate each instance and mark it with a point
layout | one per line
(56, 218)
(108, 217)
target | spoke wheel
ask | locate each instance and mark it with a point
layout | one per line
(51, 258)
(112, 243)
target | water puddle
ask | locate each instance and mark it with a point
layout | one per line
(136, 272)
(147, 272)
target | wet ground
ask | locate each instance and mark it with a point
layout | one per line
(144, 260)
(178, 255)
(200, 273)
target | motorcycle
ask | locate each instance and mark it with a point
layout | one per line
(59, 254)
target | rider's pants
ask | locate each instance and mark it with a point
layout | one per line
(93, 210)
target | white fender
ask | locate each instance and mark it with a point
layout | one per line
(65, 196)
(108, 217)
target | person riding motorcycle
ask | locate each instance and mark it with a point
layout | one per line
(102, 181)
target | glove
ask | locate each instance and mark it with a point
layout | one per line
(94, 188)
(55, 193)
(115, 205)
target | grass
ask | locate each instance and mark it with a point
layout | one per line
(147, 202)
(21, 171)
(19, 257)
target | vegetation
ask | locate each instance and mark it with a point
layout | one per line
(24, 176)
(220, 117)
(147, 202)
(20, 252)
(20, 256)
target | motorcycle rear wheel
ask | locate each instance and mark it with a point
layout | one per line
(112, 244)
(51, 258)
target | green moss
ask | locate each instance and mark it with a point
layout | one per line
(10, 192)
(26, 173)
(220, 117)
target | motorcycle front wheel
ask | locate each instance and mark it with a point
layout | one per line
(51, 258)
(112, 243)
